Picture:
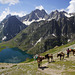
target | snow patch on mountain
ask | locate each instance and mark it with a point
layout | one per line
(29, 22)
(40, 19)
(50, 19)
(54, 35)
(68, 15)
(38, 41)
(3, 26)
(68, 40)
(36, 15)
(4, 38)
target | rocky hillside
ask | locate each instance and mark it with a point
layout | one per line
(44, 35)
(56, 29)
(35, 16)
(38, 15)
(10, 27)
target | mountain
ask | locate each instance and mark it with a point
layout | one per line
(1, 28)
(41, 36)
(35, 15)
(58, 14)
(38, 15)
(44, 31)
(11, 27)
(3, 22)
(9, 15)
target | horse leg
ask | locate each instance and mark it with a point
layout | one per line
(38, 65)
(73, 52)
(51, 59)
(48, 60)
(60, 57)
(39, 62)
(63, 56)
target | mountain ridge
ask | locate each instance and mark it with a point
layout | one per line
(43, 34)
(11, 27)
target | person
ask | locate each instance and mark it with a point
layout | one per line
(35, 57)
(68, 52)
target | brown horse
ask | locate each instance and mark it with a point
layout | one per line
(39, 60)
(61, 55)
(72, 50)
(48, 56)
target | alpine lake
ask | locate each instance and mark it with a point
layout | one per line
(13, 55)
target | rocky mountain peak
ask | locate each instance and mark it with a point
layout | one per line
(12, 27)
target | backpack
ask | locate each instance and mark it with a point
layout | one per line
(35, 57)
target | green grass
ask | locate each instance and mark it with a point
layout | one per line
(8, 44)
(68, 73)
(28, 60)
(66, 64)
(24, 69)
(57, 49)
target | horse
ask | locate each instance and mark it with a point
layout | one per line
(61, 55)
(48, 56)
(39, 60)
(72, 50)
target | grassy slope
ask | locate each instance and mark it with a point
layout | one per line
(8, 44)
(57, 49)
(30, 68)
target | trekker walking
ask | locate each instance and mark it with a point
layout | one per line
(68, 52)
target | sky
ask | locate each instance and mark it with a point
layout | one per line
(23, 7)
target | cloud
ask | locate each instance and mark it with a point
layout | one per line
(71, 7)
(7, 11)
(4, 13)
(39, 7)
(62, 10)
(10, 2)
(20, 14)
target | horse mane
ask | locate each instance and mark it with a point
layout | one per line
(48, 55)
(58, 55)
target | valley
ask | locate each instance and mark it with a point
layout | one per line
(66, 66)
(36, 32)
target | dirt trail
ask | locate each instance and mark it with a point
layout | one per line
(52, 71)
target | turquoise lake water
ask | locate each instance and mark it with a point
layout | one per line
(13, 55)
